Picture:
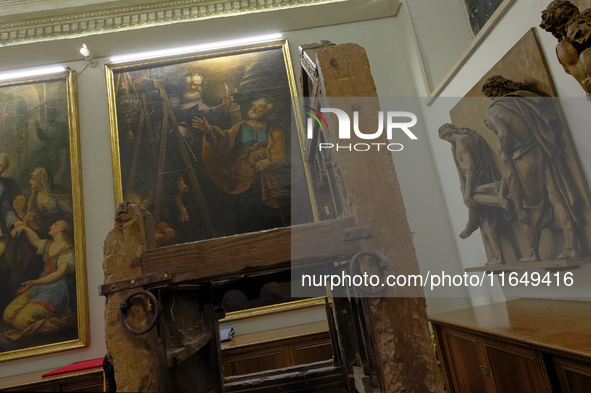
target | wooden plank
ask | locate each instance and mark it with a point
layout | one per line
(361, 381)
(178, 355)
(313, 377)
(301, 244)
(374, 199)
(310, 367)
(121, 285)
(139, 361)
(275, 335)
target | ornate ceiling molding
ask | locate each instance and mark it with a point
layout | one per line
(84, 23)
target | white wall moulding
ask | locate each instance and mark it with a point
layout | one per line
(484, 31)
(80, 21)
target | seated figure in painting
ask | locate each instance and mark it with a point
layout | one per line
(247, 160)
(45, 205)
(42, 304)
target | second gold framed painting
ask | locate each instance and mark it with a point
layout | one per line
(43, 292)
(203, 142)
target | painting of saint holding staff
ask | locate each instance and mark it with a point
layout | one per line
(205, 143)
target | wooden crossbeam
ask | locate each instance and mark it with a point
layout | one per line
(301, 244)
(312, 377)
(178, 355)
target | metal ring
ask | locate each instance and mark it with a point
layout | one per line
(125, 305)
(354, 268)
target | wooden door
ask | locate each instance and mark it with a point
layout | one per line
(465, 365)
(574, 375)
(475, 363)
(515, 368)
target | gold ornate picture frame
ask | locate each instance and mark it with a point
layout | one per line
(274, 309)
(43, 290)
(217, 180)
(182, 150)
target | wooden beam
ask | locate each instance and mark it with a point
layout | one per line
(395, 326)
(361, 381)
(312, 377)
(178, 355)
(139, 361)
(301, 244)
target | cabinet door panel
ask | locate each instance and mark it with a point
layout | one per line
(255, 361)
(469, 374)
(515, 369)
(574, 376)
(313, 351)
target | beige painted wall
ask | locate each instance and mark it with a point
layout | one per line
(523, 15)
(385, 43)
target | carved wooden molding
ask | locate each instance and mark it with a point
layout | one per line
(133, 17)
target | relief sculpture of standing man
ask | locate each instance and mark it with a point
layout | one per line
(528, 129)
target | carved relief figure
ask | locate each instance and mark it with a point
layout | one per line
(479, 180)
(527, 127)
(572, 29)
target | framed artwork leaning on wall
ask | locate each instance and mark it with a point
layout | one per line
(43, 293)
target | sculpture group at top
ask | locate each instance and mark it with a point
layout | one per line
(572, 29)
(532, 185)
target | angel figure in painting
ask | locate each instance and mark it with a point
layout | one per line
(42, 304)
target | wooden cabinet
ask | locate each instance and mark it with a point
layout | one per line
(519, 346)
(83, 381)
(478, 364)
(574, 375)
(514, 368)
(277, 349)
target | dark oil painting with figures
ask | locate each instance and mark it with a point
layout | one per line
(205, 143)
(38, 250)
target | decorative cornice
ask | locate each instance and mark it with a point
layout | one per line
(81, 24)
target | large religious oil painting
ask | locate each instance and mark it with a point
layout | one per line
(204, 142)
(43, 295)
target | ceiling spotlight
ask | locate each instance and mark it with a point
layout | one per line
(84, 51)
